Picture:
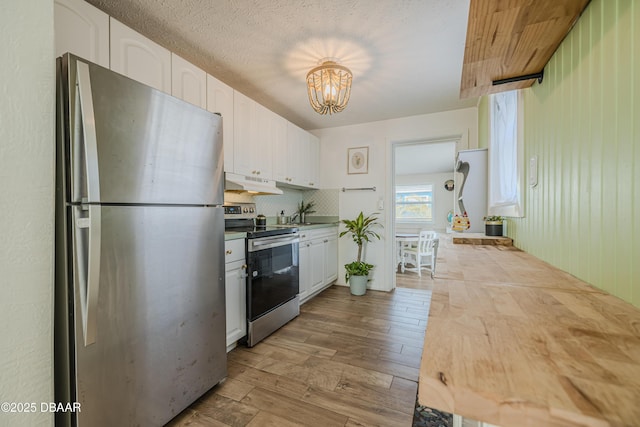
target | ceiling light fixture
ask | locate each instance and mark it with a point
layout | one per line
(329, 87)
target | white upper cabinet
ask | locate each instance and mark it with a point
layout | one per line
(220, 100)
(287, 167)
(313, 162)
(139, 58)
(255, 129)
(300, 168)
(251, 132)
(81, 29)
(245, 131)
(276, 128)
(188, 82)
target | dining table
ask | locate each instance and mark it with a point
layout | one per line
(404, 240)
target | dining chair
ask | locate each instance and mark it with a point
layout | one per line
(422, 255)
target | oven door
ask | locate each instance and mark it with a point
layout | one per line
(273, 277)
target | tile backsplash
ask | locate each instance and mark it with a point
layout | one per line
(326, 201)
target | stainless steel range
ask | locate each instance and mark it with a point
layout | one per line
(272, 271)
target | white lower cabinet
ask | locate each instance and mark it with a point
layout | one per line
(331, 257)
(318, 260)
(235, 291)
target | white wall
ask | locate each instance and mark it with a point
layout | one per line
(380, 137)
(27, 115)
(442, 200)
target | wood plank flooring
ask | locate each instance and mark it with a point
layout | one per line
(345, 361)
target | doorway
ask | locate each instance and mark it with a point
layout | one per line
(423, 196)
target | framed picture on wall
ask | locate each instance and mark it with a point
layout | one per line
(358, 160)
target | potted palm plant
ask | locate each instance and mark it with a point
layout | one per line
(361, 230)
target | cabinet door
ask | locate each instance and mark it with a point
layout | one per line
(255, 129)
(270, 127)
(304, 270)
(286, 162)
(316, 253)
(188, 82)
(139, 58)
(283, 158)
(313, 162)
(245, 125)
(277, 128)
(220, 100)
(330, 258)
(81, 29)
(298, 146)
(235, 300)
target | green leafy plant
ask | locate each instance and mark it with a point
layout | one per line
(493, 218)
(357, 268)
(361, 230)
(306, 209)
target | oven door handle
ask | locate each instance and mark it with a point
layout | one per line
(274, 242)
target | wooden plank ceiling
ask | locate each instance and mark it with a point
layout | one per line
(511, 38)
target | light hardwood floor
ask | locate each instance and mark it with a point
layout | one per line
(345, 361)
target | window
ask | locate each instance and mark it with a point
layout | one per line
(505, 154)
(414, 203)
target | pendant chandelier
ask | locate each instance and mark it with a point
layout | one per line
(329, 87)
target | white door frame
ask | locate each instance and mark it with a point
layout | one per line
(391, 185)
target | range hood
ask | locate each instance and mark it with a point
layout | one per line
(249, 184)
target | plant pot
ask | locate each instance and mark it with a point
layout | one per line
(358, 285)
(493, 228)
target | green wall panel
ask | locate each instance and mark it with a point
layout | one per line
(583, 124)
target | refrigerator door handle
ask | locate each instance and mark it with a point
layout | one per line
(87, 118)
(86, 261)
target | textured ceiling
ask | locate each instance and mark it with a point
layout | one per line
(405, 55)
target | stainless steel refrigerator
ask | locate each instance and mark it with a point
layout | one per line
(139, 310)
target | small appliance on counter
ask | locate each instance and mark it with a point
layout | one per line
(272, 270)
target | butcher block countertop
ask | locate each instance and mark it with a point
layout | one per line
(513, 341)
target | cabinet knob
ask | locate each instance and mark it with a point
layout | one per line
(228, 252)
(244, 266)
(258, 172)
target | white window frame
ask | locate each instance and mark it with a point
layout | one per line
(417, 220)
(514, 207)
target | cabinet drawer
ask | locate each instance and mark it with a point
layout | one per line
(317, 233)
(233, 250)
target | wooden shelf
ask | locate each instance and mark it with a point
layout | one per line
(481, 239)
(512, 38)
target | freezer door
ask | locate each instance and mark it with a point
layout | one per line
(130, 143)
(159, 338)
